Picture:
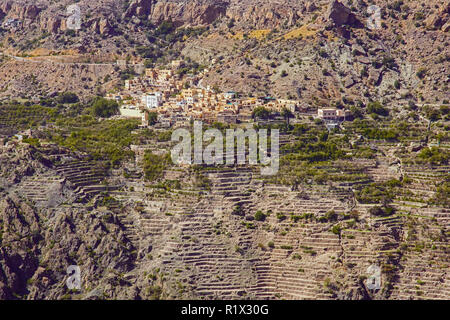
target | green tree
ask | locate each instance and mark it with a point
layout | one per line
(104, 108)
(377, 108)
(152, 118)
(67, 97)
(287, 114)
(261, 113)
(260, 216)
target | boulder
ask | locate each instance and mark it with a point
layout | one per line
(349, 81)
(439, 19)
(434, 21)
(359, 50)
(31, 11)
(340, 15)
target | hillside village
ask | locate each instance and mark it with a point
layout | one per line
(87, 179)
(177, 100)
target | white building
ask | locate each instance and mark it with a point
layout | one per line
(153, 100)
(331, 114)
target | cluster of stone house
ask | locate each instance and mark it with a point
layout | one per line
(179, 100)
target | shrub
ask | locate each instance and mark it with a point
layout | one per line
(377, 108)
(105, 140)
(67, 97)
(329, 216)
(336, 229)
(260, 216)
(375, 193)
(384, 211)
(442, 196)
(421, 73)
(152, 118)
(237, 210)
(434, 155)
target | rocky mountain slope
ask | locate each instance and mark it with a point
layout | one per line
(321, 51)
(311, 232)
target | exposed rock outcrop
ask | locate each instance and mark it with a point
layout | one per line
(187, 13)
(138, 8)
(20, 10)
(340, 15)
(440, 19)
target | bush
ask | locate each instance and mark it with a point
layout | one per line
(152, 118)
(165, 28)
(238, 211)
(434, 155)
(329, 216)
(67, 97)
(376, 193)
(442, 196)
(336, 229)
(377, 108)
(384, 211)
(106, 140)
(260, 216)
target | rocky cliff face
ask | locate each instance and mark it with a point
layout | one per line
(255, 13)
(20, 10)
(100, 16)
(198, 12)
(37, 245)
(51, 17)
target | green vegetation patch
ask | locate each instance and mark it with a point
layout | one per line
(154, 165)
(107, 140)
